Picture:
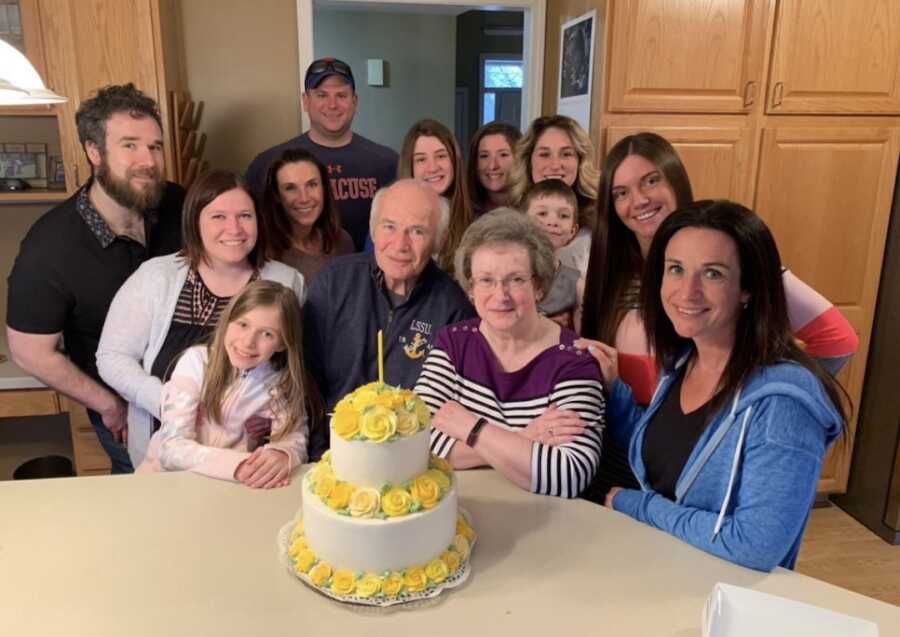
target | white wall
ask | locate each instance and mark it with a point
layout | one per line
(420, 55)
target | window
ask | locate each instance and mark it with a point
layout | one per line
(501, 90)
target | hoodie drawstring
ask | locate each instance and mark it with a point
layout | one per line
(734, 466)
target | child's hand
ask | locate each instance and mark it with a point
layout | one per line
(264, 469)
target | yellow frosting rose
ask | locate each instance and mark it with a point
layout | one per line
(451, 559)
(326, 457)
(396, 502)
(462, 528)
(378, 424)
(393, 584)
(416, 580)
(440, 477)
(368, 585)
(322, 469)
(305, 559)
(345, 423)
(298, 545)
(423, 415)
(437, 570)
(365, 502)
(363, 397)
(298, 530)
(440, 464)
(461, 544)
(340, 495)
(320, 573)
(324, 485)
(407, 424)
(343, 582)
(426, 491)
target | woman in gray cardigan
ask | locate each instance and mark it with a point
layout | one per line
(172, 302)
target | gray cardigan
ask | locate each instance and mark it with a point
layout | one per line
(135, 329)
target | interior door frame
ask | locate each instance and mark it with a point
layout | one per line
(533, 31)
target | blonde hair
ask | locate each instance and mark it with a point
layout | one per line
(586, 180)
(288, 396)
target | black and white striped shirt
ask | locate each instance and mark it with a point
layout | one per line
(462, 367)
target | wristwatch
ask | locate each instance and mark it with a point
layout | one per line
(472, 438)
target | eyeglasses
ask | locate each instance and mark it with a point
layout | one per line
(512, 282)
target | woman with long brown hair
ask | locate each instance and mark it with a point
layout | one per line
(643, 182)
(431, 155)
(298, 203)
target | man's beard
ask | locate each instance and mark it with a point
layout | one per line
(121, 191)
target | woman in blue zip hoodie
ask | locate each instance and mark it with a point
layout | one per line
(729, 450)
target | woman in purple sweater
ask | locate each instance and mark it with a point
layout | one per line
(508, 389)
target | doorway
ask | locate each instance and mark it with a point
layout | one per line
(417, 54)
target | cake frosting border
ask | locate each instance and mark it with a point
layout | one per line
(288, 534)
(419, 493)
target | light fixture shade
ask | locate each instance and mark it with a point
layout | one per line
(20, 84)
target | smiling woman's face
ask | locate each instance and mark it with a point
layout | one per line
(643, 197)
(554, 157)
(432, 165)
(300, 190)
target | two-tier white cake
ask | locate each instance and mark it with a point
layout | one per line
(380, 522)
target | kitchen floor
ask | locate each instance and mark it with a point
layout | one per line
(839, 550)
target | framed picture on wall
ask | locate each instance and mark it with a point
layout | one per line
(27, 162)
(576, 67)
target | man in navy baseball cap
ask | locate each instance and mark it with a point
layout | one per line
(326, 67)
(357, 167)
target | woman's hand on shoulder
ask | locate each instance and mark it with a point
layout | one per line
(264, 469)
(605, 355)
(555, 427)
(454, 420)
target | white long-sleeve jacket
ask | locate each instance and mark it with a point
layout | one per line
(190, 440)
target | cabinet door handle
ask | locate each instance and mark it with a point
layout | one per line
(749, 93)
(777, 93)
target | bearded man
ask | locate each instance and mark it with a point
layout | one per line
(75, 257)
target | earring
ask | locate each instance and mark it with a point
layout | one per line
(746, 303)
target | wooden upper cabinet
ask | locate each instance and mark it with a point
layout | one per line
(686, 56)
(96, 43)
(716, 158)
(836, 56)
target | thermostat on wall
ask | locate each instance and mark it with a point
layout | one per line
(376, 72)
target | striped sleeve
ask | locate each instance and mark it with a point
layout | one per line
(566, 470)
(436, 385)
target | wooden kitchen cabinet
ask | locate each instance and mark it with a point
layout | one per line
(686, 56)
(836, 57)
(825, 189)
(93, 43)
(717, 157)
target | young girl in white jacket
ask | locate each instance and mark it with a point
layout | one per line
(252, 368)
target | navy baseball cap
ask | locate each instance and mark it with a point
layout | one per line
(325, 67)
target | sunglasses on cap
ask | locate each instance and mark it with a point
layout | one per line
(329, 64)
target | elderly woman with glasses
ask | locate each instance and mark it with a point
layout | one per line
(508, 389)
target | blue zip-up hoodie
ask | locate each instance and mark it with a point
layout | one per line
(747, 488)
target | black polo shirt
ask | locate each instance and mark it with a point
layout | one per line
(70, 265)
